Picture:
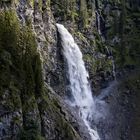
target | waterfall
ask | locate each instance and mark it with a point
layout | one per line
(98, 22)
(78, 77)
(113, 68)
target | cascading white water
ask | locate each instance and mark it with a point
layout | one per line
(98, 22)
(80, 88)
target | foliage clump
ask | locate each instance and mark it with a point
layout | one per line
(30, 132)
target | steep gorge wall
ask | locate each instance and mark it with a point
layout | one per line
(29, 109)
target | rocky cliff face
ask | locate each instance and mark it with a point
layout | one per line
(32, 68)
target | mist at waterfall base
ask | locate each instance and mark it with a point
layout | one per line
(79, 85)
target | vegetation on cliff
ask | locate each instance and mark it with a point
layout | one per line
(22, 88)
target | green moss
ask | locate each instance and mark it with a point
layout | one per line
(51, 105)
(30, 132)
(80, 36)
(83, 13)
(9, 37)
(20, 69)
(40, 4)
(31, 3)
